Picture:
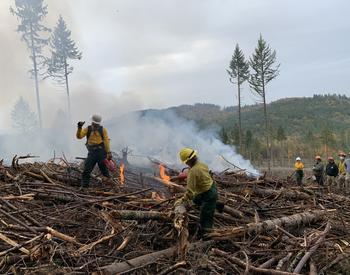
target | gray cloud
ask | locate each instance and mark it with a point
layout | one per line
(157, 53)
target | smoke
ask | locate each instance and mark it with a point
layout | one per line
(157, 134)
(162, 134)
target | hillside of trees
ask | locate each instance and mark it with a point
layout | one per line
(298, 126)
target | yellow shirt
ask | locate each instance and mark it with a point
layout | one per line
(341, 166)
(198, 181)
(95, 137)
(299, 165)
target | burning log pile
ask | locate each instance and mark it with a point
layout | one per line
(128, 226)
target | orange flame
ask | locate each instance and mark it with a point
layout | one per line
(162, 174)
(121, 174)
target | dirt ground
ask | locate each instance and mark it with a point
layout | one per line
(284, 172)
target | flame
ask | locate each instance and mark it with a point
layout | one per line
(162, 174)
(121, 174)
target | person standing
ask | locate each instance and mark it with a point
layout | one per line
(318, 170)
(299, 171)
(342, 171)
(347, 170)
(97, 143)
(331, 172)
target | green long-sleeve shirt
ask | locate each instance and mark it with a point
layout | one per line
(198, 181)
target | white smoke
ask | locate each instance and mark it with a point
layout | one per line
(156, 134)
(163, 137)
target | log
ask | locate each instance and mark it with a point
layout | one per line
(140, 215)
(119, 267)
(268, 225)
(285, 193)
(254, 270)
(233, 212)
(313, 249)
(181, 225)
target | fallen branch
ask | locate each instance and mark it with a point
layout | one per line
(139, 215)
(254, 270)
(268, 225)
(119, 267)
(312, 249)
(13, 243)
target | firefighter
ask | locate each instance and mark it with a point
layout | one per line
(347, 169)
(318, 170)
(299, 173)
(97, 144)
(200, 189)
(332, 172)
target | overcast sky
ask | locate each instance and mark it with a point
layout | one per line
(159, 53)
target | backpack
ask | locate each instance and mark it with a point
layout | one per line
(89, 131)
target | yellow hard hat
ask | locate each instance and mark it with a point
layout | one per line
(187, 154)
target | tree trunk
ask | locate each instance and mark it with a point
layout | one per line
(121, 267)
(268, 149)
(67, 89)
(312, 249)
(140, 215)
(239, 116)
(285, 193)
(268, 225)
(36, 79)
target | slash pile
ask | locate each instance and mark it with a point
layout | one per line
(268, 226)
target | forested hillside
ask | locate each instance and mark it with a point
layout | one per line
(299, 126)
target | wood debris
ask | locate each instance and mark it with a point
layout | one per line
(268, 226)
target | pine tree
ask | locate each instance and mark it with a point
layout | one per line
(63, 48)
(31, 13)
(224, 136)
(248, 142)
(239, 73)
(23, 119)
(327, 137)
(264, 70)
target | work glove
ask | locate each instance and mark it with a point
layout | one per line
(80, 124)
(109, 156)
(180, 209)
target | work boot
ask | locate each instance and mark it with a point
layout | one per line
(220, 206)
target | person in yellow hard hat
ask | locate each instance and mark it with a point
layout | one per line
(299, 172)
(342, 171)
(200, 189)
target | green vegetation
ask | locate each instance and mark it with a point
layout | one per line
(298, 126)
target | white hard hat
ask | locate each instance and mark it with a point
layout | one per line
(96, 119)
(298, 158)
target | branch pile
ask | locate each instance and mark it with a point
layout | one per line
(268, 226)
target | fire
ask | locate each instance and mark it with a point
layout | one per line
(162, 173)
(121, 174)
